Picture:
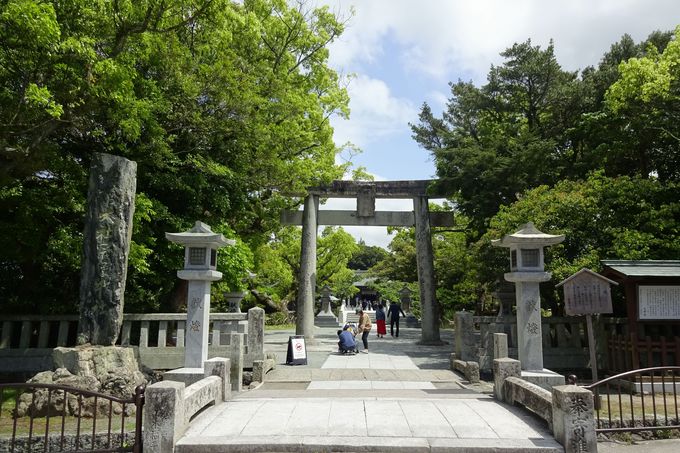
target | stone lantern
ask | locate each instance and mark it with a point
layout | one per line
(326, 318)
(527, 271)
(200, 263)
(405, 299)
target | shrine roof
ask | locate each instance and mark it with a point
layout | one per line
(644, 268)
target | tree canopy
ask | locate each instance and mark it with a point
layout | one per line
(223, 105)
(592, 154)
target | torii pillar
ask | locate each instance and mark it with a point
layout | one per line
(304, 324)
(426, 282)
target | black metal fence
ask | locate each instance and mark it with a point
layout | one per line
(58, 418)
(640, 400)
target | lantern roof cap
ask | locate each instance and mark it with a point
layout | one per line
(200, 234)
(528, 234)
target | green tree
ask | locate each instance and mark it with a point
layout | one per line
(601, 218)
(646, 101)
(400, 264)
(277, 265)
(366, 256)
(495, 141)
(223, 105)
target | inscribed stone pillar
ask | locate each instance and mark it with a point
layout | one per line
(529, 337)
(500, 346)
(255, 334)
(465, 343)
(198, 321)
(106, 244)
(424, 260)
(572, 418)
(304, 324)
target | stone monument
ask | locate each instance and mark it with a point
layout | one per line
(405, 300)
(527, 271)
(96, 364)
(108, 231)
(326, 318)
(200, 262)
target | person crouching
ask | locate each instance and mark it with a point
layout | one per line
(346, 345)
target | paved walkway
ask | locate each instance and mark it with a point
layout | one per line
(400, 397)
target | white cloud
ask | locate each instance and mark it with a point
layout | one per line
(442, 38)
(375, 113)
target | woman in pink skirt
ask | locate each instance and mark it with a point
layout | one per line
(380, 321)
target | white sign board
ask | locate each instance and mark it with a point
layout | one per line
(299, 351)
(587, 294)
(658, 302)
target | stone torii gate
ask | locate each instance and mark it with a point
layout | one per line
(365, 193)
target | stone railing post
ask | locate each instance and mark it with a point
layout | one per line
(220, 367)
(236, 342)
(163, 416)
(573, 420)
(503, 369)
(465, 341)
(255, 334)
(500, 345)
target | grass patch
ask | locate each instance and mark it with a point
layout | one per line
(24, 426)
(280, 327)
(70, 424)
(610, 406)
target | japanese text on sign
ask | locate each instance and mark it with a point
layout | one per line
(587, 295)
(658, 302)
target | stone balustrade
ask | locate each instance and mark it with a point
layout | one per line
(26, 341)
(469, 369)
(170, 406)
(568, 409)
(565, 342)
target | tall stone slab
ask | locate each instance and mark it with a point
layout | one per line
(108, 231)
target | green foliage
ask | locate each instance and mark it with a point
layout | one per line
(277, 264)
(223, 105)
(366, 256)
(602, 218)
(400, 264)
(535, 124)
(277, 319)
(235, 262)
(594, 156)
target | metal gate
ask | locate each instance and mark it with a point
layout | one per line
(58, 418)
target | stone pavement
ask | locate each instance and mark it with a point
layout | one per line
(401, 397)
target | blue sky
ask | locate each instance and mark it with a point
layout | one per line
(401, 53)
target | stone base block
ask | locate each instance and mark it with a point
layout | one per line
(412, 321)
(326, 320)
(543, 378)
(187, 375)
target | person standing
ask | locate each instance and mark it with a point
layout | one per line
(393, 313)
(380, 321)
(364, 328)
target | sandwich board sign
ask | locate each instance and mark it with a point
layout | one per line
(297, 351)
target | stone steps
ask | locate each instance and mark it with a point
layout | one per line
(363, 444)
